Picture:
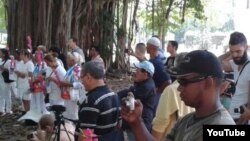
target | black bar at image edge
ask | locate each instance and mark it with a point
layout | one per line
(239, 132)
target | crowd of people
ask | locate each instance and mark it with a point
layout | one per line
(174, 96)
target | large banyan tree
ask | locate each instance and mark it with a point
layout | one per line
(109, 24)
(53, 22)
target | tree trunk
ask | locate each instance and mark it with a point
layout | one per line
(121, 39)
(55, 21)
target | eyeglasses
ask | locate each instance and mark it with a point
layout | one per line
(184, 82)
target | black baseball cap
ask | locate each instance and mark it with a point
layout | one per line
(202, 62)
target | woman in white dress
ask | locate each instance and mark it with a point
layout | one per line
(24, 74)
(5, 93)
(54, 78)
(38, 86)
(72, 87)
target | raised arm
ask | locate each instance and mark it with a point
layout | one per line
(136, 123)
(224, 59)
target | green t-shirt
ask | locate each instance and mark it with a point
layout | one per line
(190, 128)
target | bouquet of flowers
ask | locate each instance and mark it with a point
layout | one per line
(88, 135)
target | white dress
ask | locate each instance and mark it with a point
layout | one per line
(55, 91)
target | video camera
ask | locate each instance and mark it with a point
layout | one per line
(129, 102)
(240, 109)
(58, 109)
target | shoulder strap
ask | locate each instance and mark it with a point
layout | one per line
(241, 71)
(4, 62)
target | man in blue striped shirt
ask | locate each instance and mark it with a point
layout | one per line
(101, 109)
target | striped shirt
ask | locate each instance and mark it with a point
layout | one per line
(100, 111)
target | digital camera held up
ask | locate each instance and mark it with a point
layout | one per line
(240, 109)
(130, 102)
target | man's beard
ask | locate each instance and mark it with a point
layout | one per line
(242, 60)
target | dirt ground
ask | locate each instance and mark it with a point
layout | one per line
(12, 130)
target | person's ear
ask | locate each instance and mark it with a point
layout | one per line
(88, 76)
(146, 75)
(48, 128)
(209, 82)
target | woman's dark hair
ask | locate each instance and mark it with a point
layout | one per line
(5, 53)
(55, 51)
(25, 52)
(50, 58)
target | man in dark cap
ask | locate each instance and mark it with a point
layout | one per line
(200, 77)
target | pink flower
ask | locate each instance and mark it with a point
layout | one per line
(88, 135)
(29, 42)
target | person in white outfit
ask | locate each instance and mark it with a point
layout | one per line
(5, 93)
(54, 77)
(24, 73)
(70, 87)
(38, 86)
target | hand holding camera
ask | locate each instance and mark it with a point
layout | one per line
(129, 101)
(131, 109)
(245, 114)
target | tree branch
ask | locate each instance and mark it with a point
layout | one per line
(169, 9)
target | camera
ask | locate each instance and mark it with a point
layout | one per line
(239, 110)
(58, 109)
(130, 102)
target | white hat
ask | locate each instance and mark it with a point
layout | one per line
(155, 42)
(146, 65)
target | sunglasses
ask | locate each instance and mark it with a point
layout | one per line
(184, 82)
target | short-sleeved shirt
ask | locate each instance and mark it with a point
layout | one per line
(80, 51)
(169, 64)
(58, 73)
(100, 111)
(144, 91)
(26, 68)
(169, 109)
(160, 75)
(189, 128)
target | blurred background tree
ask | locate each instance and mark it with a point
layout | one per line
(113, 25)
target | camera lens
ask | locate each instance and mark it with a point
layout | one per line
(239, 110)
(236, 110)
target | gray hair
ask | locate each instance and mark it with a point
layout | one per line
(141, 47)
(95, 69)
(74, 56)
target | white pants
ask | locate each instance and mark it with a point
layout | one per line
(14, 89)
(5, 100)
(71, 110)
(37, 103)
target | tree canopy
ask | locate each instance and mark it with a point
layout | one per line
(108, 24)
